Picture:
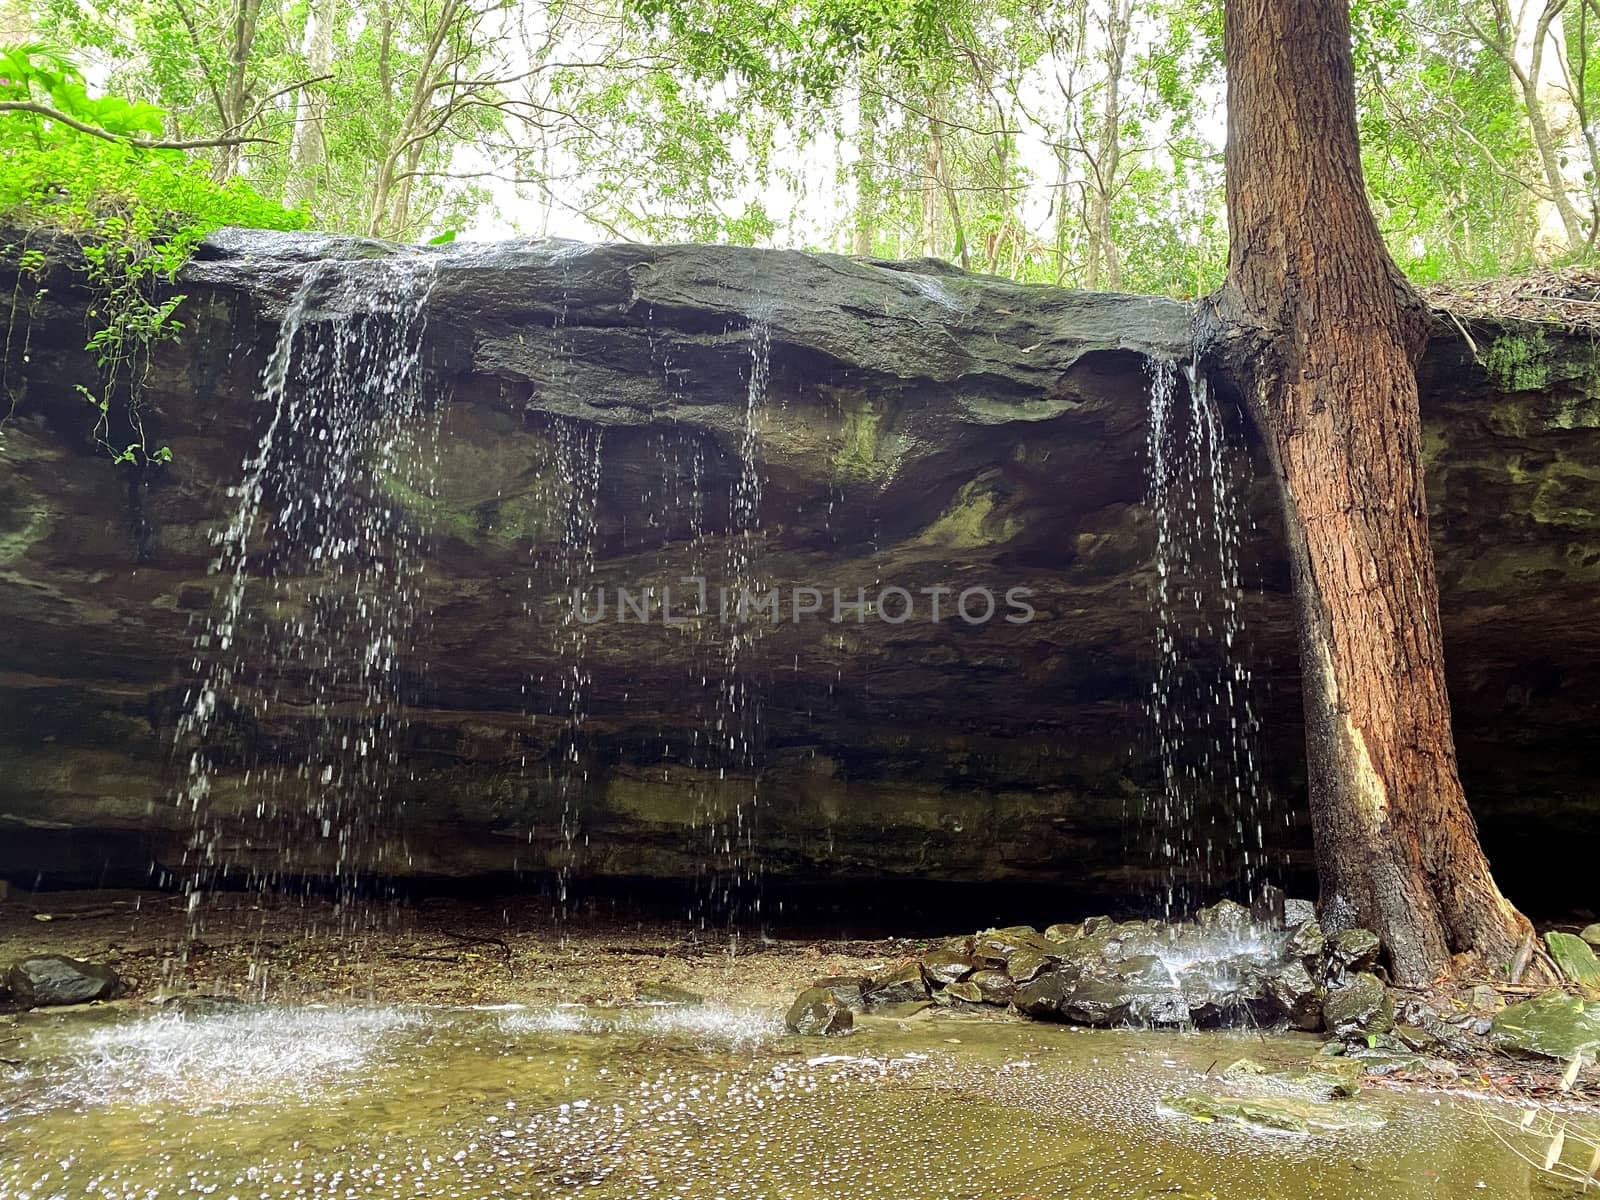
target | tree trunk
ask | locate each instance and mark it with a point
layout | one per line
(866, 215)
(1538, 64)
(1320, 332)
(307, 149)
(1104, 269)
(941, 177)
(392, 192)
(930, 200)
(235, 92)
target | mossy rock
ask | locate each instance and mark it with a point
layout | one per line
(1362, 1005)
(1554, 1025)
(1575, 958)
(897, 985)
(817, 1013)
(1286, 1114)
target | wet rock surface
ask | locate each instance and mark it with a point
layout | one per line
(1286, 1114)
(1359, 1005)
(54, 979)
(922, 425)
(904, 984)
(817, 1012)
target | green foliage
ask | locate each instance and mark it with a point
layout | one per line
(1075, 142)
(136, 212)
(1519, 362)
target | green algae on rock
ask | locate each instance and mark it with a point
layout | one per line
(1284, 1114)
(1554, 1025)
(1575, 958)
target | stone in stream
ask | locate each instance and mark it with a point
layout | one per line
(667, 993)
(1554, 1025)
(1243, 1067)
(1044, 996)
(1355, 949)
(48, 979)
(994, 987)
(1284, 1113)
(817, 1013)
(1360, 1005)
(944, 967)
(998, 945)
(1071, 932)
(848, 990)
(1300, 996)
(1228, 916)
(1025, 965)
(1144, 971)
(1575, 958)
(1341, 1074)
(1324, 1079)
(1307, 942)
(965, 990)
(1101, 1002)
(896, 985)
(1269, 910)
(1298, 912)
(1054, 996)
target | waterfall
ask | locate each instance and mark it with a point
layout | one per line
(735, 875)
(1208, 819)
(321, 594)
(576, 461)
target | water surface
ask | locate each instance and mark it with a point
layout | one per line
(262, 1103)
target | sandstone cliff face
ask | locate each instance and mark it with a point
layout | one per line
(919, 428)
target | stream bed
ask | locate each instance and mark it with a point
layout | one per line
(244, 1102)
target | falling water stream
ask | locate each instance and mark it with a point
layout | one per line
(1208, 821)
(320, 608)
(735, 879)
(576, 461)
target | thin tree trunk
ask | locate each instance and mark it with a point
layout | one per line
(1538, 64)
(941, 174)
(866, 214)
(1104, 269)
(392, 191)
(930, 199)
(1321, 333)
(235, 93)
(307, 149)
(1065, 226)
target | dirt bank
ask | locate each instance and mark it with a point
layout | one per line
(441, 951)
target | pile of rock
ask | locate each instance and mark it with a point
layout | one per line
(1225, 966)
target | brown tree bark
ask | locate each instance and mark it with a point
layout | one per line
(1320, 332)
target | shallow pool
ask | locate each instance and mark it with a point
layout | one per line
(255, 1103)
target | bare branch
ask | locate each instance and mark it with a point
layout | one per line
(123, 139)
